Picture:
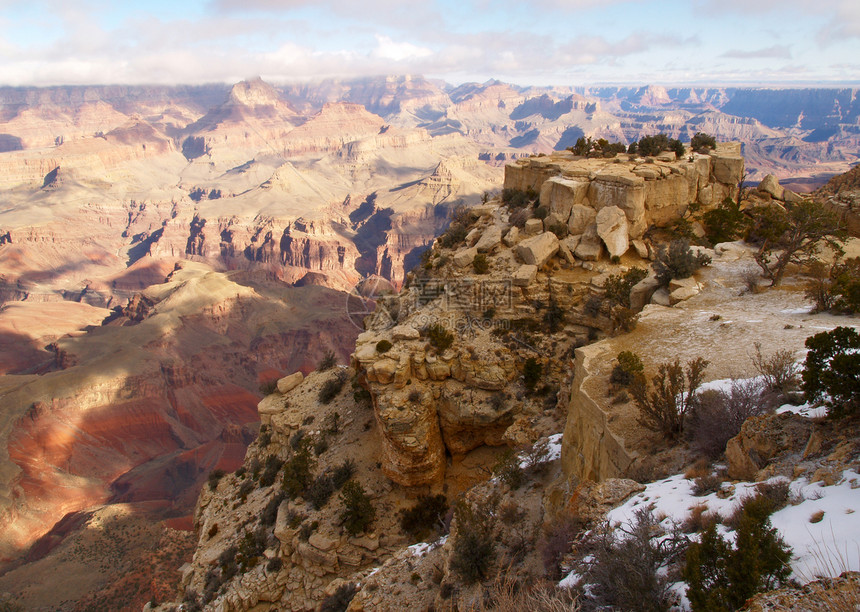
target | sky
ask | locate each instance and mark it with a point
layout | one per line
(551, 42)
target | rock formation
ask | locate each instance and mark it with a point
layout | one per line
(649, 192)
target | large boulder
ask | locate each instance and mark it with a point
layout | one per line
(539, 249)
(525, 275)
(465, 257)
(288, 383)
(580, 218)
(590, 246)
(560, 194)
(763, 437)
(642, 291)
(472, 236)
(612, 229)
(512, 237)
(681, 289)
(405, 332)
(770, 185)
(490, 239)
(533, 226)
(728, 168)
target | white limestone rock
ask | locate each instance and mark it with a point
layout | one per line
(580, 218)
(288, 383)
(533, 226)
(641, 248)
(490, 239)
(539, 249)
(525, 275)
(613, 230)
(465, 257)
(512, 237)
(770, 185)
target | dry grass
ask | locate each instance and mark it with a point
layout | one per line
(508, 595)
(699, 469)
(699, 519)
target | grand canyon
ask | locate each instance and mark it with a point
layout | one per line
(167, 253)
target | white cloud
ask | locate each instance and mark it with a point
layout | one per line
(776, 51)
(398, 51)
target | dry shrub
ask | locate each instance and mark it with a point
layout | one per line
(556, 543)
(700, 468)
(779, 370)
(751, 278)
(630, 568)
(671, 397)
(709, 483)
(508, 595)
(719, 415)
(699, 519)
(817, 517)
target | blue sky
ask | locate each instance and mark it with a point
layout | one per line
(552, 42)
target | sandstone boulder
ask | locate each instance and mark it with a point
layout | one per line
(553, 219)
(382, 371)
(681, 289)
(770, 185)
(728, 168)
(571, 242)
(661, 297)
(472, 236)
(322, 542)
(762, 438)
(539, 249)
(465, 257)
(565, 252)
(791, 197)
(270, 406)
(533, 226)
(590, 246)
(525, 275)
(405, 332)
(490, 239)
(591, 501)
(288, 383)
(580, 218)
(560, 194)
(731, 251)
(641, 248)
(612, 229)
(512, 237)
(642, 291)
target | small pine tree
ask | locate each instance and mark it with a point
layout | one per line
(678, 261)
(832, 370)
(358, 512)
(720, 577)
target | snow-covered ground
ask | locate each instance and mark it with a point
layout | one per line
(821, 526)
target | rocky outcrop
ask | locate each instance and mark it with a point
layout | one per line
(416, 395)
(591, 450)
(649, 192)
(825, 594)
(763, 438)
